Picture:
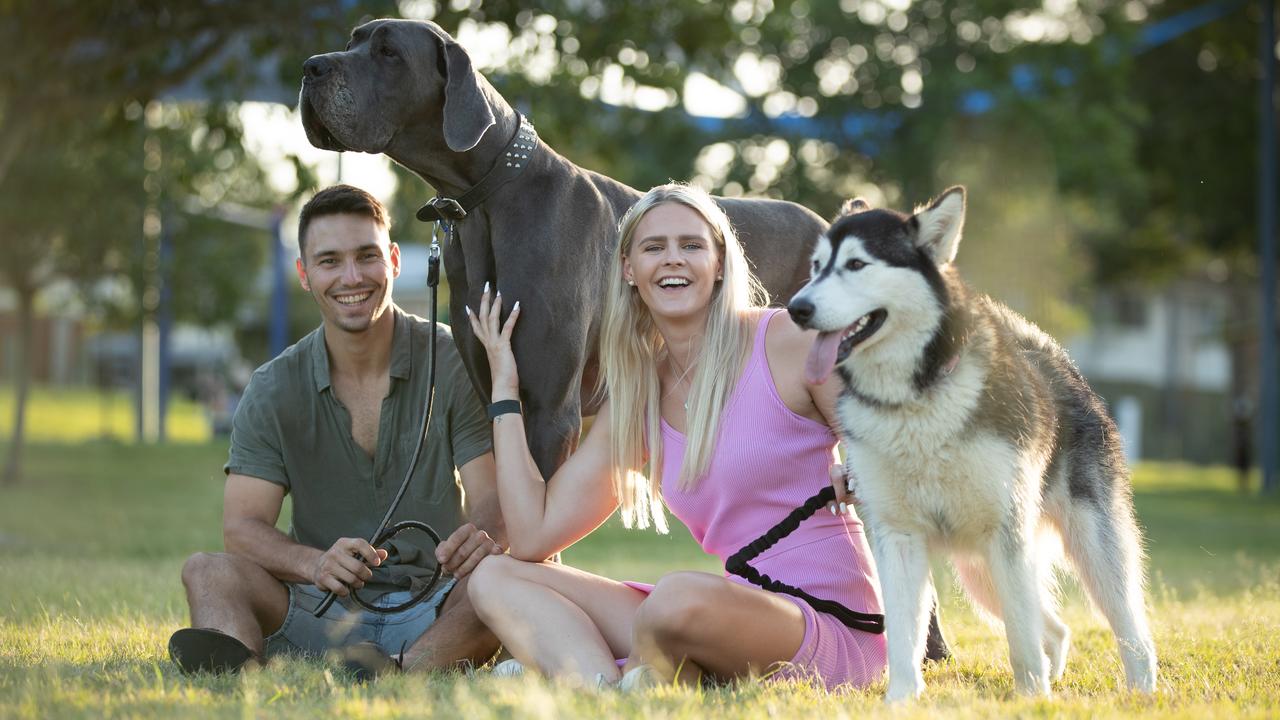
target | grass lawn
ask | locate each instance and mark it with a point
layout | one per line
(92, 543)
(66, 414)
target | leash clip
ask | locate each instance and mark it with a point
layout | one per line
(441, 228)
(441, 208)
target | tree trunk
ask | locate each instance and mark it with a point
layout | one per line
(22, 383)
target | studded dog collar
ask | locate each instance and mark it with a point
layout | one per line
(513, 160)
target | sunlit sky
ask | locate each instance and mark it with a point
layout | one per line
(273, 132)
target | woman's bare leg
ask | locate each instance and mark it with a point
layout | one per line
(562, 621)
(694, 622)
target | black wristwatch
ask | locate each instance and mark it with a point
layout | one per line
(502, 407)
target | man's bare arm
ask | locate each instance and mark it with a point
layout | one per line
(480, 483)
(483, 536)
(251, 507)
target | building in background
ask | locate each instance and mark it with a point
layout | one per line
(58, 338)
(1162, 355)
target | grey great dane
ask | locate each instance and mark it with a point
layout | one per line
(542, 233)
(407, 89)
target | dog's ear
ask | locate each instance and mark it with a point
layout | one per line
(853, 206)
(467, 114)
(939, 224)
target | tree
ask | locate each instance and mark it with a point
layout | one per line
(76, 152)
(63, 185)
(67, 62)
(91, 205)
(891, 100)
(1200, 151)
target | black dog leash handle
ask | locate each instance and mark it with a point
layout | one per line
(738, 565)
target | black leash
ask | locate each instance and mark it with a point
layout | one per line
(385, 533)
(737, 564)
(445, 213)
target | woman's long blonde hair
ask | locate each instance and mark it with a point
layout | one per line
(630, 348)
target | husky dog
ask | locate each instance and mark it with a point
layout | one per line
(968, 429)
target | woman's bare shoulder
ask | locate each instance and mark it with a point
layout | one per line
(785, 336)
(788, 345)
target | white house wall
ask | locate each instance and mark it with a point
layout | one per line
(1183, 342)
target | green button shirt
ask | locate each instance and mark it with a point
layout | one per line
(290, 429)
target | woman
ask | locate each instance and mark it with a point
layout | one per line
(689, 356)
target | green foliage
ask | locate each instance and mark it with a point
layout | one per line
(1199, 145)
(58, 207)
(884, 89)
(75, 147)
(193, 162)
(842, 63)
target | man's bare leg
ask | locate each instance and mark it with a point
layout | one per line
(229, 593)
(456, 636)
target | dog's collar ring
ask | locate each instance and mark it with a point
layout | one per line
(446, 208)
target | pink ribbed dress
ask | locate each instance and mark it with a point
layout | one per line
(768, 460)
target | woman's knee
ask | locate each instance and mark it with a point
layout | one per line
(490, 581)
(680, 607)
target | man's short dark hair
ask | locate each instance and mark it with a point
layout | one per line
(339, 200)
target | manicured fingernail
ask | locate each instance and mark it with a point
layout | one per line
(849, 486)
(844, 508)
(486, 286)
(516, 306)
(467, 308)
(833, 509)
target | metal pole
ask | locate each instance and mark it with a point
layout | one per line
(279, 325)
(140, 369)
(164, 319)
(1270, 433)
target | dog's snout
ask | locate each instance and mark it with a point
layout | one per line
(801, 311)
(317, 67)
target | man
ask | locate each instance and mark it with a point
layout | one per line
(333, 420)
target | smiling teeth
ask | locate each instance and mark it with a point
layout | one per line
(673, 282)
(857, 327)
(354, 299)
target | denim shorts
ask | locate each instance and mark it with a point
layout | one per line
(347, 623)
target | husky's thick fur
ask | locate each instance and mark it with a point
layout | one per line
(968, 429)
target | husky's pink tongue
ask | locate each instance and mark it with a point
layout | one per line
(822, 358)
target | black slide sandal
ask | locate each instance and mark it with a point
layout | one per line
(207, 650)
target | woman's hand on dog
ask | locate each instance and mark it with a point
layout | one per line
(843, 486)
(495, 335)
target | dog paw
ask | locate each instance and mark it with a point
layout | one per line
(1057, 649)
(905, 690)
(1143, 681)
(1032, 685)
